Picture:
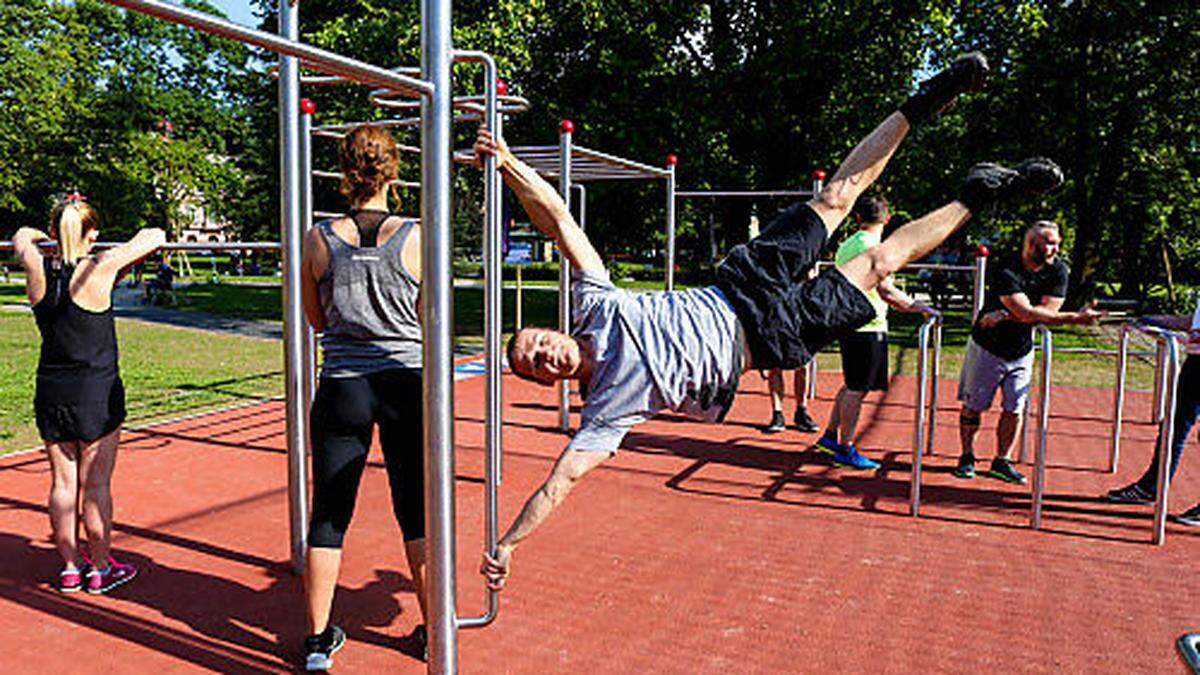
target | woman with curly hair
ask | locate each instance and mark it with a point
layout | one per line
(360, 279)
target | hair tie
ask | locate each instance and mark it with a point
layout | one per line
(75, 196)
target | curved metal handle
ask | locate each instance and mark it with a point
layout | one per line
(493, 326)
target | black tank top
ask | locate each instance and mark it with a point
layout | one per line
(78, 361)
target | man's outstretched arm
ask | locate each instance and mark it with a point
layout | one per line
(570, 468)
(542, 202)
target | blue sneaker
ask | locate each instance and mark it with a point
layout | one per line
(849, 457)
(828, 446)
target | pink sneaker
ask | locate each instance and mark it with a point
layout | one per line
(103, 581)
(70, 580)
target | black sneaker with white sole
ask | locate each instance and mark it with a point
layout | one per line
(988, 183)
(803, 422)
(776, 424)
(1189, 517)
(937, 94)
(1130, 494)
(320, 648)
(1002, 469)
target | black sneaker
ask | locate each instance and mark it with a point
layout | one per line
(419, 639)
(965, 468)
(1130, 494)
(1189, 517)
(937, 94)
(1002, 469)
(988, 183)
(777, 424)
(803, 422)
(321, 647)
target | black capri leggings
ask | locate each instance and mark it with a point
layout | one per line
(344, 413)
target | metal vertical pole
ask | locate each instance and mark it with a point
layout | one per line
(1119, 400)
(818, 184)
(492, 328)
(1039, 472)
(1166, 434)
(981, 256)
(307, 108)
(437, 322)
(919, 414)
(564, 268)
(672, 160)
(936, 372)
(582, 205)
(1160, 375)
(293, 316)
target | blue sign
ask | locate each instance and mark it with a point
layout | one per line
(519, 253)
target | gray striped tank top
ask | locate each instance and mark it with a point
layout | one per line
(370, 306)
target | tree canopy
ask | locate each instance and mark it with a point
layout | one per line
(748, 93)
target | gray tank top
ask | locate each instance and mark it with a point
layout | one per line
(369, 301)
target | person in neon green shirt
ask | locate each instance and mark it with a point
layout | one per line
(864, 351)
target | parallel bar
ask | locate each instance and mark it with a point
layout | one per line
(294, 324)
(919, 414)
(980, 286)
(493, 318)
(318, 59)
(1166, 433)
(564, 276)
(306, 215)
(1039, 472)
(1119, 400)
(670, 285)
(935, 375)
(437, 326)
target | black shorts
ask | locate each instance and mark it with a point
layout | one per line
(344, 414)
(864, 361)
(788, 318)
(60, 421)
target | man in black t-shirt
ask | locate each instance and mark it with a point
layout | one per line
(1022, 290)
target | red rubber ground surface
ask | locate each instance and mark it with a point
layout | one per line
(700, 548)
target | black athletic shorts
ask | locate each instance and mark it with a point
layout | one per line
(61, 421)
(864, 361)
(344, 414)
(788, 318)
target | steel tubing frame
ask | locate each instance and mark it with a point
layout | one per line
(492, 328)
(314, 57)
(1039, 469)
(437, 327)
(564, 273)
(1162, 411)
(925, 412)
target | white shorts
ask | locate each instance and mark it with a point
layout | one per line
(983, 372)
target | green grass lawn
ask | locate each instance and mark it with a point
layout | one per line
(167, 371)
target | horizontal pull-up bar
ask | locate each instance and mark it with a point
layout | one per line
(176, 245)
(314, 57)
(338, 175)
(749, 194)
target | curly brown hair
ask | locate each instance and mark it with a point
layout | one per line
(370, 160)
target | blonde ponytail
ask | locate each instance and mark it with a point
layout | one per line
(70, 224)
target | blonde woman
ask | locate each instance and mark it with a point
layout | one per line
(79, 401)
(360, 280)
